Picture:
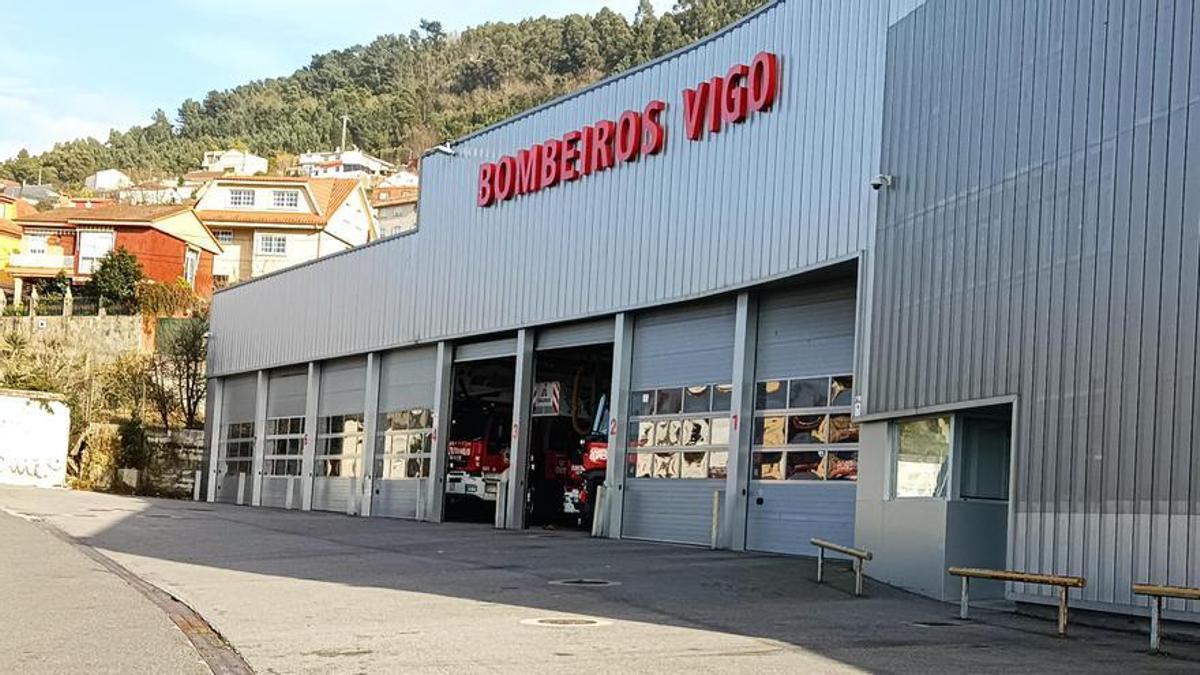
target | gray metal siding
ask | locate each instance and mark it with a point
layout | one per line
(487, 349)
(275, 492)
(676, 511)
(1041, 241)
(783, 192)
(397, 498)
(287, 391)
(406, 379)
(332, 494)
(792, 514)
(576, 334)
(237, 399)
(806, 331)
(343, 387)
(685, 345)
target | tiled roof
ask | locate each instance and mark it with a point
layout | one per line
(393, 196)
(328, 193)
(110, 213)
(10, 228)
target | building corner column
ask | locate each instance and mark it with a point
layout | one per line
(309, 447)
(443, 391)
(216, 391)
(366, 486)
(732, 533)
(260, 437)
(518, 463)
(618, 428)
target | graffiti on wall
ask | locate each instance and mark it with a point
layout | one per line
(33, 439)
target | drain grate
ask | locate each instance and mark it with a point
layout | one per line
(565, 622)
(597, 583)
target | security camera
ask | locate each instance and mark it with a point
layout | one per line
(444, 149)
(880, 181)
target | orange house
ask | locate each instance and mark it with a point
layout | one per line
(169, 241)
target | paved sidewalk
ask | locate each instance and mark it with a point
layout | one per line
(61, 612)
(311, 592)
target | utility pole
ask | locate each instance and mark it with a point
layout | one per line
(345, 121)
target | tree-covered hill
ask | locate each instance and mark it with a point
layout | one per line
(403, 93)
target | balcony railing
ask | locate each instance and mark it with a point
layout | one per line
(42, 261)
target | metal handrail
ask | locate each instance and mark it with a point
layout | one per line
(1063, 582)
(1157, 592)
(859, 555)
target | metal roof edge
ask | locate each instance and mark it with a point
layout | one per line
(613, 78)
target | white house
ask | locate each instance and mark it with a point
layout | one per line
(343, 164)
(236, 162)
(266, 223)
(107, 180)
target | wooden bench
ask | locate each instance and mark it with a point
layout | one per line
(858, 554)
(1157, 594)
(1064, 584)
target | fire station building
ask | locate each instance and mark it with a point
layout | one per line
(918, 277)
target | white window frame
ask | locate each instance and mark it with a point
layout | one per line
(191, 265)
(285, 199)
(260, 247)
(241, 197)
(243, 461)
(223, 237)
(290, 437)
(349, 457)
(89, 262)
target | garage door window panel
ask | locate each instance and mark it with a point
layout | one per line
(679, 433)
(803, 430)
(283, 446)
(404, 444)
(339, 446)
(237, 448)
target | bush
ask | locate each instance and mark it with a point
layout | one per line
(156, 299)
(135, 450)
(115, 278)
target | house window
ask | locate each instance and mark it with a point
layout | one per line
(224, 237)
(92, 247)
(241, 197)
(191, 263)
(285, 199)
(921, 457)
(271, 244)
(36, 243)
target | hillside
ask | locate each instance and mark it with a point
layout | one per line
(404, 93)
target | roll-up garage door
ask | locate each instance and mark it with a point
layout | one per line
(404, 439)
(287, 391)
(679, 421)
(804, 461)
(338, 457)
(576, 334)
(488, 349)
(236, 448)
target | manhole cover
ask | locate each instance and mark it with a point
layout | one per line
(566, 622)
(585, 582)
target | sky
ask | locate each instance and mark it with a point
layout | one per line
(76, 68)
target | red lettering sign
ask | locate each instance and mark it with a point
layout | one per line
(604, 145)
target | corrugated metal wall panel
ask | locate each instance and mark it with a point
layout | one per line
(806, 331)
(406, 378)
(780, 193)
(1041, 242)
(683, 346)
(332, 493)
(677, 511)
(576, 334)
(489, 349)
(287, 390)
(237, 399)
(343, 387)
(791, 515)
(397, 498)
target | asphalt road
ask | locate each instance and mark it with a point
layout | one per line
(61, 612)
(311, 592)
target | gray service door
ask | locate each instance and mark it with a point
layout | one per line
(406, 381)
(239, 395)
(672, 349)
(287, 393)
(803, 333)
(342, 392)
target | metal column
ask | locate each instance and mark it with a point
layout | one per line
(443, 391)
(518, 465)
(370, 424)
(309, 448)
(741, 406)
(618, 428)
(216, 389)
(260, 437)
